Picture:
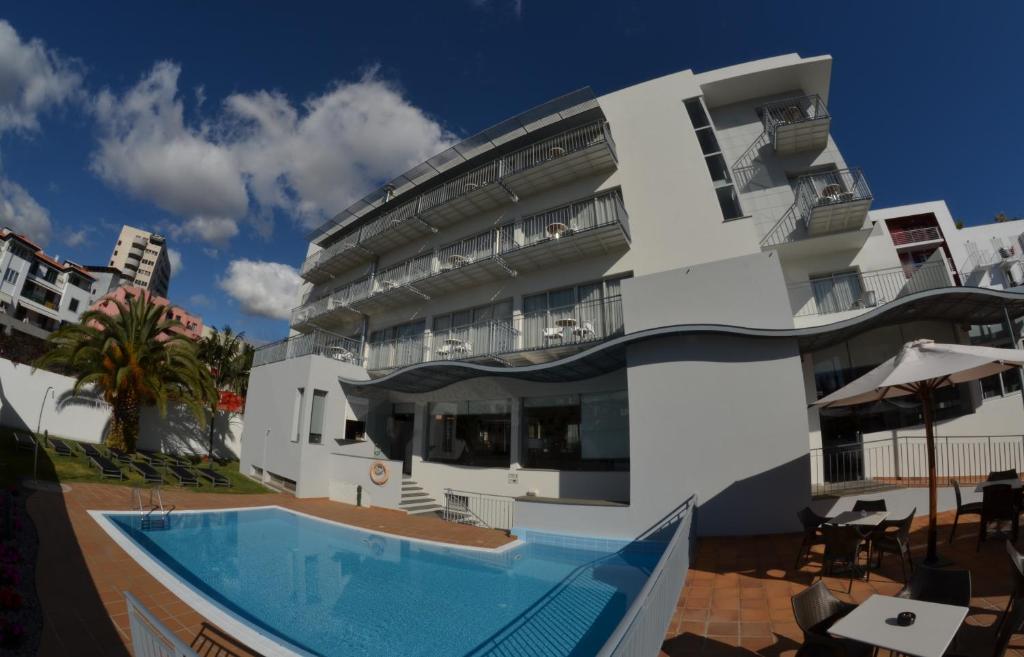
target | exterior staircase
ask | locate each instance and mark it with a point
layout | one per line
(416, 501)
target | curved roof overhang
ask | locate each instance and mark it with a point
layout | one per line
(953, 304)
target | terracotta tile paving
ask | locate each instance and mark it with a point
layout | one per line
(736, 600)
(82, 574)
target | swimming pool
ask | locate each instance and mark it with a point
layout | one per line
(318, 587)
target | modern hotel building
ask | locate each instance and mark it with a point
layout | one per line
(582, 315)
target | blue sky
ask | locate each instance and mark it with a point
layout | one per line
(233, 126)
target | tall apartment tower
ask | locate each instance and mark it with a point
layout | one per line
(142, 257)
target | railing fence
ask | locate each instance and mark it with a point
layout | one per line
(493, 511)
(150, 638)
(858, 290)
(318, 342)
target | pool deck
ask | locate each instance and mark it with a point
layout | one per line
(82, 573)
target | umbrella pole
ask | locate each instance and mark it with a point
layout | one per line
(929, 433)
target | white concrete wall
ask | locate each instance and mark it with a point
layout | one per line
(350, 464)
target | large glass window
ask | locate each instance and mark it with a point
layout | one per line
(482, 330)
(470, 433)
(397, 346)
(573, 314)
(577, 432)
(1003, 383)
(316, 417)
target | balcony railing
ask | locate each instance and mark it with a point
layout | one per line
(491, 253)
(903, 237)
(497, 172)
(829, 202)
(318, 343)
(864, 290)
(796, 124)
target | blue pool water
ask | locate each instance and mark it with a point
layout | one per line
(331, 589)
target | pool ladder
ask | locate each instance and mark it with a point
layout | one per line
(153, 514)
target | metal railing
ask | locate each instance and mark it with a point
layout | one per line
(902, 237)
(902, 461)
(641, 632)
(600, 210)
(397, 352)
(481, 509)
(790, 111)
(864, 290)
(318, 342)
(492, 172)
(150, 637)
(814, 191)
(587, 321)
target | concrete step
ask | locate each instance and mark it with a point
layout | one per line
(412, 495)
(420, 508)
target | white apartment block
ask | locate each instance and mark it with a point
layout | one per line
(584, 314)
(142, 257)
(37, 290)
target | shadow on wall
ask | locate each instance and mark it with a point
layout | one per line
(9, 416)
(764, 503)
(179, 432)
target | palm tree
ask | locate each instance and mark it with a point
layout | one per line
(134, 358)
(229, 358)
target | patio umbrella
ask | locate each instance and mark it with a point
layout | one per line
(921, 367)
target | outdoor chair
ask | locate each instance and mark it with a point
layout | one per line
(1008, 626)
(24, 441)
(107, 468)
(811, 523)
(119, 455)
(816, 610)
(150, 457)
(871, 506)
(552, 333)
(215, 478)
(940, 585)
(969, 509)
(148, 473)
(998, 504)
(1017, 576)
(91, 451)
(184, 475)
(1001, 475)
(893, 537)
(61, 447)
(843, 544)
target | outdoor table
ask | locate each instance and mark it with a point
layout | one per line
(874, 622)
(556, 229)
(863, 519)
(567, 322)
(1015, 484)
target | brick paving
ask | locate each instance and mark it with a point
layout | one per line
(82, 574)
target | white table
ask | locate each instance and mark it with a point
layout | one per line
(859, 518)
(874, 622)
(1012, 483)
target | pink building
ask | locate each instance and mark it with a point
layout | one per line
(191, 325)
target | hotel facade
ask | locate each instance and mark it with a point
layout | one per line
(573, 320)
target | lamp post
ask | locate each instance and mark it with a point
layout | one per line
(39, 422)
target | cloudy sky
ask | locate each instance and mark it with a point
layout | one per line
(234, 128)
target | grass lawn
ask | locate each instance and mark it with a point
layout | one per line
(15, 464)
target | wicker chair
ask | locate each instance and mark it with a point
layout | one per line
(939, 585)
(843, 544)
(1008, 626)
(893, 537)
(871, 506)
(811, 522)
(969, 509)
(998, 504)
(1017, 576)
(816, 610)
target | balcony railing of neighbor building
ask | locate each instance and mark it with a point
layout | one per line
(319, 343)
(480, 509)
(864, 290)
(830, 202)
(564, 327)
(591, 226)
(905, 237)
(902, 462)
(488, 185)
(796, 124)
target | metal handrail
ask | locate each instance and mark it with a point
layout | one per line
(491, 511)
(815, 191)
(865, 290)
(790, 111)
(317, 342)
(904, 236)
(150, 637)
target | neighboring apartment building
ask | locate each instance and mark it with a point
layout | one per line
(142, 257)
(605, 304)
(38, 290)
(107, 279)
(191, 325)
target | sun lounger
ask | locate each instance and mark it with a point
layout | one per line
(24, 441)
(214, 477)
(148, 472)
(119, 456)
(152, 458)
(61, 447)
(106, 467)
(184, 475)
(91, 450)
(177, 459)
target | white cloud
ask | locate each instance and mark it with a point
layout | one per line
(174, 255)
(261, 153)
(75, 238)
(267, 289)
(22, 213)
(200, 300)
(33, 78)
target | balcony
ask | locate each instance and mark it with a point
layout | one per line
(827, 203)
(842, 296)
(530, 338)
(575, 153)
(318, 343)
(796, 125)
(902, 238)
(594, 226)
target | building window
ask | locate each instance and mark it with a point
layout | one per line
(725, 190)
(577, 432)
(1001, 383)
(299, 414)
(316, 417)
(73, 305)
(11, 276)
(474, 433)
(397, 346)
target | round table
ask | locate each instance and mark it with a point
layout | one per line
(568, 322)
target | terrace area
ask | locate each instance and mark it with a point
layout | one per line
(797, 124)
(828, 203)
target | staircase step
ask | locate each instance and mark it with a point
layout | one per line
(420, 508)
(409, 496)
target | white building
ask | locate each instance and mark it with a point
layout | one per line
(142, 257)
(605, 304)
(38, 290)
